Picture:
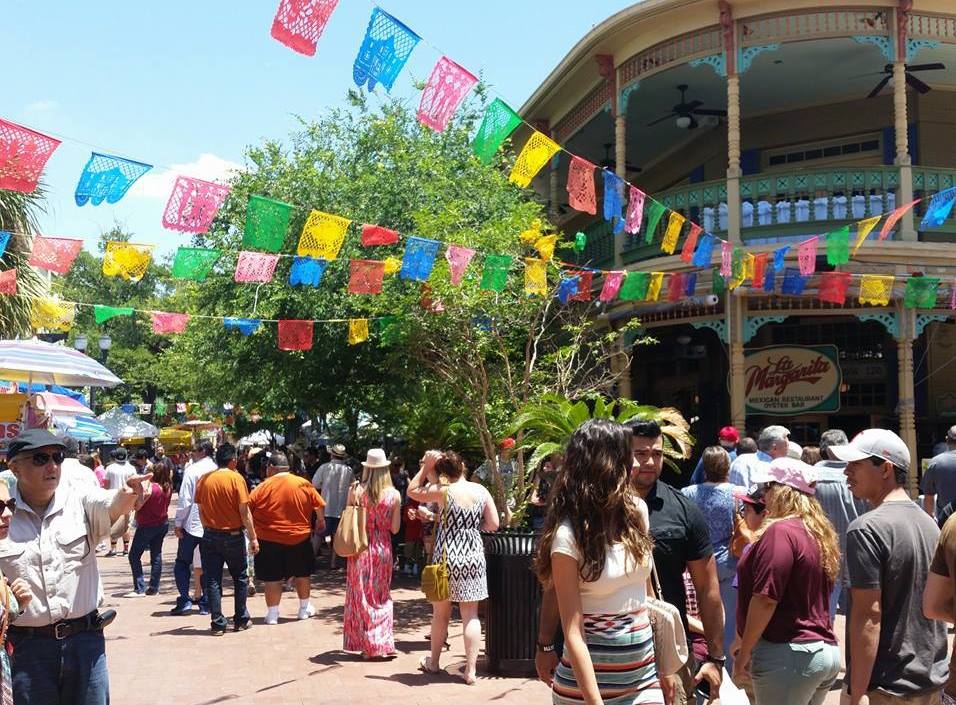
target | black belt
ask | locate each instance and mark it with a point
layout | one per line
(224, 532)
(63, 629)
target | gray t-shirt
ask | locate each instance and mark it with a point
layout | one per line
(891, 548)
(940, 479)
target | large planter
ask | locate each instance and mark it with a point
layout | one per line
(514, 596)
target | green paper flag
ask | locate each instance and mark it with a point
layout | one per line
(580, 242)
(194, 263)
(921, 292)
(719, 285)
(499, 122)
(738, 264)
(388, 330)
(838, 246)
(494, 277)
(635, 286)
(266, 224)
(104, 313)
(652, 216)
(160, 408)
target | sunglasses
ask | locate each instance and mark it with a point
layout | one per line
(758, 508)
(10, 504)
(41, 459)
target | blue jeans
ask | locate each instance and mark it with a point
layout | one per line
(793, 674)
(229, 548)
(68, 672)
(183, 571)
(151, 537)
(728, 596)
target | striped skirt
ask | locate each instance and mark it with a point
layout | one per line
(622, 651)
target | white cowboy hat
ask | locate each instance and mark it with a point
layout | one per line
(338, 450)
(376, 459)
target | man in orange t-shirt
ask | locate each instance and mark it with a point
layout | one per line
(223, 501)
(282, 509)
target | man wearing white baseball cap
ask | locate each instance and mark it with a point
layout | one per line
(894, 653)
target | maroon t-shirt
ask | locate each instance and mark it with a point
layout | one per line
(784, 565)
(155, 510)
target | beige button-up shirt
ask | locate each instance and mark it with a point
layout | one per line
(55, 553)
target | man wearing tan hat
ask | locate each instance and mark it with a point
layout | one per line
(333, 480)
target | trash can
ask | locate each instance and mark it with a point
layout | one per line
(514, 596)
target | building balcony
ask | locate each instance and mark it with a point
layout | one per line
(780, 206)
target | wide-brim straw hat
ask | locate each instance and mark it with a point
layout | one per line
(338, 450)
(376, 458)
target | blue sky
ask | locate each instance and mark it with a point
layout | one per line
(189, 85)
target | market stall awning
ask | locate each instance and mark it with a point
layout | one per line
(122, 425)
(45, 363)
(82, 428)
(61, 405)
(174, 437)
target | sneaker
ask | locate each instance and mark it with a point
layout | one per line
(242, 626)
(218, 631)
(203, 610)
(135, 594)
(307, 611)
(109, 554)
(151, 591)
(181, 610)
(251, 590)
(272, 620)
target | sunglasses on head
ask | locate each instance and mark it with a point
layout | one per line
(10, 504)
(41, 459)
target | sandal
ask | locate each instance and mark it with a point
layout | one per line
(424, 665)
(462, 674)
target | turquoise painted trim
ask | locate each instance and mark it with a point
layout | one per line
(626, 94)
(717, 62)
(719, 327)
(748, 54)
(914, 46)
(752, 325)
(890, 321)
(924, 319)
(883, 43)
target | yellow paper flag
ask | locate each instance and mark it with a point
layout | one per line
(322, 236)
(52, 314)
(358, 330)
(392, 265)
(863, 229)
(534, 155)
(545, 246)
(124, 259)
(530, 236)
(876, 289)
(654, 286)
(674, 224)
(535, 276)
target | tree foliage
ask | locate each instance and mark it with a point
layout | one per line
(18, 215)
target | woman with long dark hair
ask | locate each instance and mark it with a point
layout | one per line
(596, 550)
(152, 523)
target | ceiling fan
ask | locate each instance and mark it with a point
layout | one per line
(686, 112)
(610, 163)
(910, 78)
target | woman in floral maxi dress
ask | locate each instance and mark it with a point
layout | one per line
(368, 603)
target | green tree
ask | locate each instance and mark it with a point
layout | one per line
(18, 215)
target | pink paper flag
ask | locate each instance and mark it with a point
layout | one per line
(690, 243)
(54, 253)
(169, 322)
(23, 154)
(581, 194)
(255, 266)
(726, 259)
(8, 282)
(893, 218)
(952, 295)
(635, 210)
(193, 204)
(458, 258)
(612, 285)
(299, 23)
(446, 88)
(807, 256)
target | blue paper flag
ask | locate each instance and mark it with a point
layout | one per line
(793, 282)
(246, 326)
(567, 288)
(107, 178)
(779, 256)
(939, 208)
(4, 241)
(307, 271)
(419, 258)
(387, 45)
(690, 283)
(769, 279)
(483, 323)
(128, 409)
(614, 200)
(705, 251)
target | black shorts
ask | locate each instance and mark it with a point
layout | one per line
(279, 561)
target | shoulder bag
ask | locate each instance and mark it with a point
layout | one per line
(670, 641)
(435, 575)
(351, 537)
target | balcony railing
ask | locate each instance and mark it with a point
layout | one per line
(780, 205)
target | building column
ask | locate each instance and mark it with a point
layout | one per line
(900, 127)
(906, 404)
(736, 307)
(729, 41)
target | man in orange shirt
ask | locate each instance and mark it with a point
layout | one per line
(223, 501)
(282, 509)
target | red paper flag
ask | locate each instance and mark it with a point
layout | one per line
(169, 322)
(299, 23)
(377, 235)
(690, 244)
(584, 285)
(54, 253)
(581, 194)
(295, 335)
(365, 276)
(833, 286)
(675, 287)
(23, 154)
(760, 269)
(8, 282)
(893, 218)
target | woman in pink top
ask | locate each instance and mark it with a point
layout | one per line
(152, 523)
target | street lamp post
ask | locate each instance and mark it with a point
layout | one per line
(81, 343)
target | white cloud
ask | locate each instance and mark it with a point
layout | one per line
(42, 106)
(158, 182)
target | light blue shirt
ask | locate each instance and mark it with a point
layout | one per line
(743, 469)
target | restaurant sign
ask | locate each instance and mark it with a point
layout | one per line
(784, 380)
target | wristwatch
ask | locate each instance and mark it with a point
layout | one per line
(545, 648)
(719, 661)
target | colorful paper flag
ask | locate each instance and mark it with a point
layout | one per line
(4, 241)
(635, 210)
(675, 224)
(447, 86)
(614, 200)
(705, 251)
(726, 259)
(306, 271)
(939, 208)
(536, 152)
(793, 282)
(164, 323)
(255, 267)
(833, 287)
(52, 314)
(127, 260)
(675, 287)
(8, 282)
(580, 242)
(194, 263)
(545, 246)
(893, 218)
(581, 192)
(718, 284)
(652, 216)
(322, 236)
(458, 258)
(807, 256)
(388, 331)
(55, 254)
(267, 221)
(23, 154)
(535, 276)
(863, 229)
(494, 276)
(373, 235)
(392, 266)
(877, 290)
(690, 283)
(365, 276)
(295, 334)
(690, 243)
(497, 124)
(920, 292)
(107, 178)
(566, 289)
(612, 285)
(635, 286)
(770, 280)
(838, 246)
(193, 204)
(654, 288)
(780, 258)
(246, 326)
(299, 23)
(358, 330)
(419, 258)
(387, 45)
(585, 279)
(101, 314)
(760, 268)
